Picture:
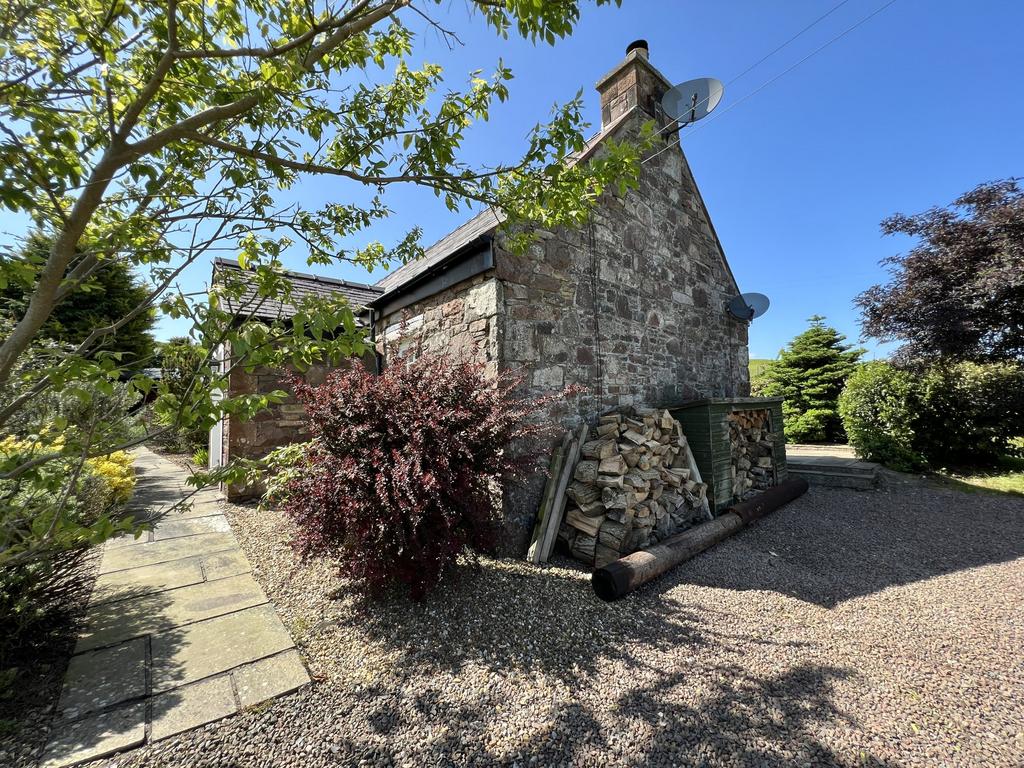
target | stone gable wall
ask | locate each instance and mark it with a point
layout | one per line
(631, 307)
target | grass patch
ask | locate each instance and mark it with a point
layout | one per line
(1007, 477)
(757, 366)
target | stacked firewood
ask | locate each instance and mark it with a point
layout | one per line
(634, 486)
(753, 447)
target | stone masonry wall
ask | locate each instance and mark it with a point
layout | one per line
(631, 306)
(460, 321)
(278, 425)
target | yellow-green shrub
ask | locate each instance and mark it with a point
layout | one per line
(117, 474)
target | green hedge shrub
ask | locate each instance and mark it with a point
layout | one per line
(970, 413)
(951, 415)
(878, 407)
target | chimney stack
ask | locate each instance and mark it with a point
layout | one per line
(633, 83)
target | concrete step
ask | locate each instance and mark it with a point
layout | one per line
(832, 477)
(863, 468)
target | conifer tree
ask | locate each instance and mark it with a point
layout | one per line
(810, 373)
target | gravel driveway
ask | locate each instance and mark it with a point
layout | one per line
(846, 629)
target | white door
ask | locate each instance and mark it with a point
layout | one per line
(216, 448)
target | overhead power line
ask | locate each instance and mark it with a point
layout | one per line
(782, 74)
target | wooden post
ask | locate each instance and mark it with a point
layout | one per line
(554, 474)
(558, 503)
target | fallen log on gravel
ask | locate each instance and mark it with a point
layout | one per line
(619, 578)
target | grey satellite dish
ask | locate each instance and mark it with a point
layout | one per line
(690, 101)
(747, 306)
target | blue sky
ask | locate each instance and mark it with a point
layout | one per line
(917, 105)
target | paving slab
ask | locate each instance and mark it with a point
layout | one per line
(191, 706)
(223, 564)
(96, 736)
(103, 678)
(268, 678)
(165, 551)
(128, 540)
(178, 527)
(195, 508)
(216, 645)
(151, 578)
(122, 620)
(174, 622)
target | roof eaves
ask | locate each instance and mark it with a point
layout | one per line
(468, 248)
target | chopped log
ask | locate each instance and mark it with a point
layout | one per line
(566, 533)
(691, 464)
(603, 555)
(620, 515)
(583, 547)
(599, 449)
(611, 418)
(634, 437)
(586, 471)
(582, 493)
(667, 421)
(582, 523)
(608, 430)
(612, 534)
(613, 465)
(608, 481)
(613, 499)
(593, 509)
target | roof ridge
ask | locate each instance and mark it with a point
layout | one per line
(225, 262)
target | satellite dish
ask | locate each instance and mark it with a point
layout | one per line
(690, 101)
(747, 306)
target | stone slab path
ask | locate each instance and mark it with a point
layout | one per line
(178, 633)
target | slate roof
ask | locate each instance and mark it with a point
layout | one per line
(358, 294)
(482, 224)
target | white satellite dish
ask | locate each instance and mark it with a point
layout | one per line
(690, 101)
(747, 306)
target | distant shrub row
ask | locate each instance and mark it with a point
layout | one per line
(946, 415)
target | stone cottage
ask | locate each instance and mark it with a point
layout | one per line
(632, 306)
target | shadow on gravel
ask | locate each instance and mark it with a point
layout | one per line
(513, 616)
(750, 720)
(834, 545)
(742, 719)
(509, 616)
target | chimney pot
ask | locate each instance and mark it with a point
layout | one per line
(633, 83)
(640, 46)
